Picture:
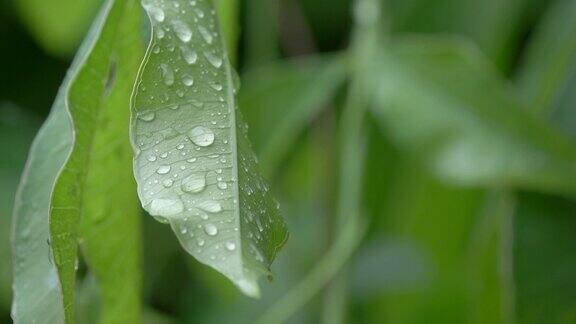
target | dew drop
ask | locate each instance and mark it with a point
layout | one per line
(214, 60)
(189, 55)
(202, 136)
(210, 206)
(194, 183)
(199, 13)
(200, 242)
(152, 158)
(160, 33)
(163, 169)
(168, 183)
(230, 246)
(222, 185)
(182, 31)
(155, 12)
(147, 116)
(205, 34)
(167, 74)
(187, 80)
(166, 207)
(210, 229)
(216, 86)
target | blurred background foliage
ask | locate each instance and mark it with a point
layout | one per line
(459, 232)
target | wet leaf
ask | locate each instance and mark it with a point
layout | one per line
(193, 163)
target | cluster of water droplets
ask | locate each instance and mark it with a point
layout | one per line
(185, 141)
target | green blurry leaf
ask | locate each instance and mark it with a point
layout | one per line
(551, 63)
(433, 222)
(262, 31)
(194, 165)
(228, 12)
(545, 259)
(496, 26)
(544, 226)
(440, 101)
(288, 95)
(17, 128)
(81, 160)
(58, 25)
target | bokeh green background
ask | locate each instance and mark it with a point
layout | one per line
(434, 252)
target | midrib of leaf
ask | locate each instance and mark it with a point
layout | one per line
(234, 145)
(200, 218)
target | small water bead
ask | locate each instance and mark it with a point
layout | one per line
(168, 183)
(152, 158)
(199, 13)
(182, 31)
(210, 206)
(189, 55)
(147, 116)
(222, 185)
(205, 34)
(180, 146)
(194, 183)
(187, 80)
(166, 207)
(192, 160)
(210, 229)
(200, 242)
(201, 136)
(167, 74)
(155, 12)
(230, 246)
(214, 60)
(164, 155)
(160, 33)
(216, 86)
(184, 230)
(163, 169)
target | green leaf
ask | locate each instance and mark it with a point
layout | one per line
(432, 221)
(544, 259)
(58, 25)
(228, 12)
(544, 225)
(193, 163)
(79, 177)
(262, 31)
(19, 127)
(304, 87)
(496, 26)
(464, 122)
(37, 294)
(551, 61)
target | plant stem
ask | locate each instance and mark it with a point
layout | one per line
(351, 137)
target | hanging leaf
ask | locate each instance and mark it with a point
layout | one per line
(193, 163)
